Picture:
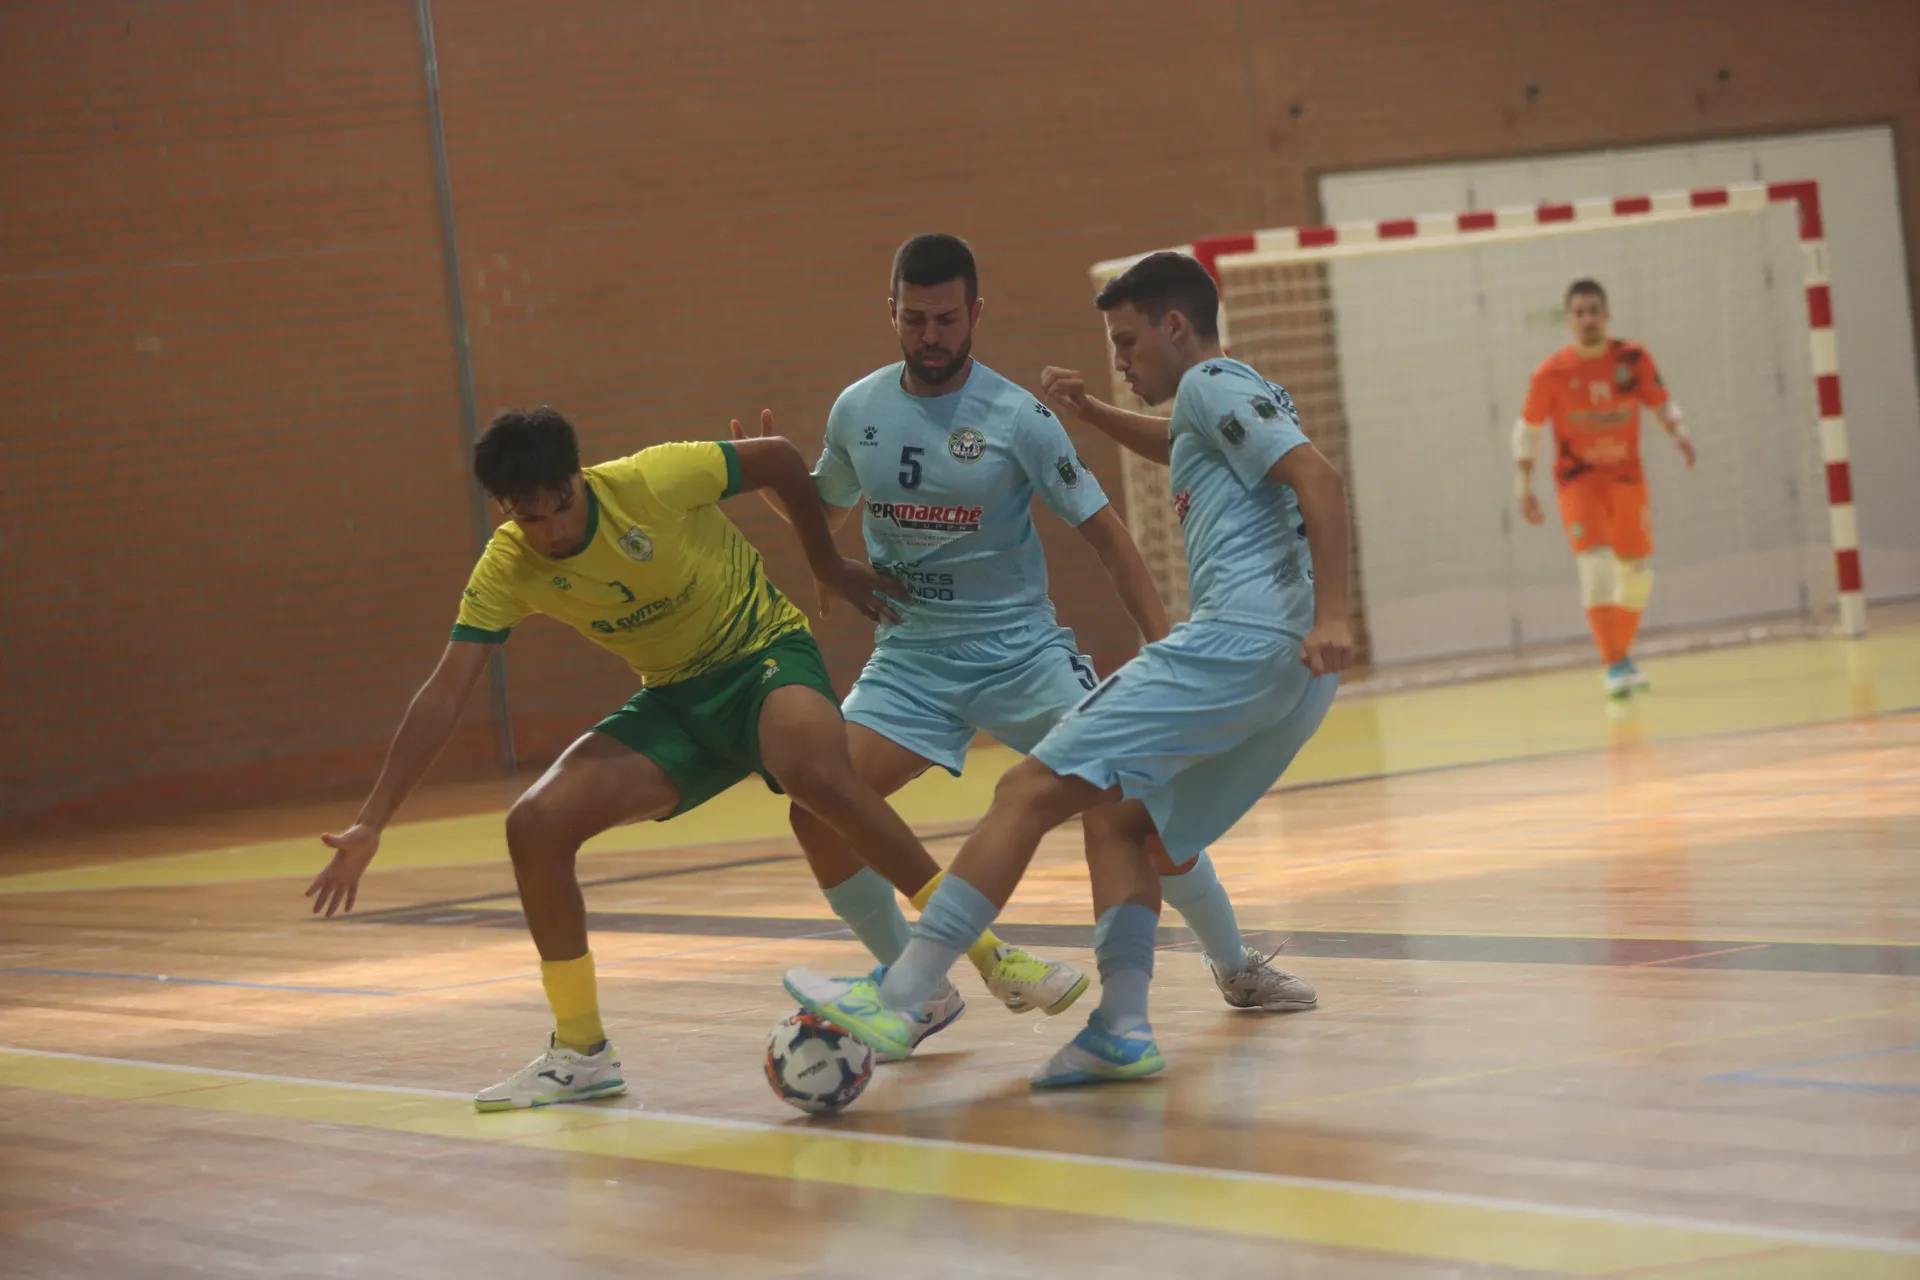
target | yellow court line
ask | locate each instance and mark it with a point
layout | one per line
(1309, 1211)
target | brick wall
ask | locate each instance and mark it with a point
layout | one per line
(235, 518)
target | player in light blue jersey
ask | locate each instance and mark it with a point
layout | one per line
(1201, 724)
(945, 457)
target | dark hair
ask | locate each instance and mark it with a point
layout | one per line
(524, 453)
(934, 258)
(1163, 282)
(1581, 286)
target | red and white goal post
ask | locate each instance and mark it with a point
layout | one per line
(1407, 345)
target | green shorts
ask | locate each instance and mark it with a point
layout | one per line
(704, 731)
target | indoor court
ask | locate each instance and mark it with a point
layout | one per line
(1600, 996)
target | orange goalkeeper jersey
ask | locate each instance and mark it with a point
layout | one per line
(1594, 405)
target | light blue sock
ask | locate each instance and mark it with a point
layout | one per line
(955, 917)
(866, 903)
(1202, 902)
(1123, 946)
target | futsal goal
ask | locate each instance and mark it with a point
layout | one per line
(1407, 345)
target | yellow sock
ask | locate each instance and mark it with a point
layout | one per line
(576, 1002)
(981, 952)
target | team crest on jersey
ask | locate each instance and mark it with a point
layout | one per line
(966, 444)
(1232, 432)
(1623, 374)
(636, 544)
(1069, 475)
(1265, 409)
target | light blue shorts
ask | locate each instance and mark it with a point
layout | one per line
(1199, 725)
(933, 700)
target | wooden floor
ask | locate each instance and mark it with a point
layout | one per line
(1601, 994)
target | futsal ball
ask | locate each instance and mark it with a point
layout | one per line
(814, 1065)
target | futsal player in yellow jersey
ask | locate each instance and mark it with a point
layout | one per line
(635, 555)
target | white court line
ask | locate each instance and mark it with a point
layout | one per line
(1622, 1217)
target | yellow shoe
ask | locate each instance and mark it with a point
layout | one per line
(1022, 981)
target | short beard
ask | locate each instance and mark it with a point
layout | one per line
(940, 376)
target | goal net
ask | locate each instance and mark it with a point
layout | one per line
(1407, 346)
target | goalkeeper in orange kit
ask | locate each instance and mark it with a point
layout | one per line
(1592, 390)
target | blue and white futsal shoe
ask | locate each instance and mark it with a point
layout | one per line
(1100, 1056)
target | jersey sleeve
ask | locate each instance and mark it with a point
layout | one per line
(1054, 468)
(833, 476)
(679, 476)
(1539, 405)
(1249, 422)
(490, 607)
(1647, 384)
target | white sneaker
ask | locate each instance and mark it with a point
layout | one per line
(558, 1075)
(1022, 981)
(939, 1013)
(1257, 984)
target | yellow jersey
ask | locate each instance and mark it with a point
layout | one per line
(664, 579)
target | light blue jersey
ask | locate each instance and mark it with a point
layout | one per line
(1246, 545)
(1201, 724)
(948, 484)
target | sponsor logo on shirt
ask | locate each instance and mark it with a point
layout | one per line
(925, 584)
(1265, 409)
(636, 544)
(966, 444)
(870, 436)
(926, 517)
(1232, 432)
(1069, 476)
(647, 614)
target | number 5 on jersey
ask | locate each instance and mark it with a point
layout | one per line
(910, 466)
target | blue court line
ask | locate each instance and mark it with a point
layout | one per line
(1765, 1074)
(1817, 1062)
(1845, 1086)
(202, 982)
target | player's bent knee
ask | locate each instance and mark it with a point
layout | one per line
(1597, 583)
(821, 787)
(533, 825)
(1037, 791)
(1635, 584)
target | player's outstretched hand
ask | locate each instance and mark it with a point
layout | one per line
(863, 586)
(1328, 647)
(336, 887)
(1530, 510)
(1685, 445)
(742, 433)
(1064, 389)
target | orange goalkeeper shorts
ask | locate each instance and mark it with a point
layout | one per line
(1602, 509)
